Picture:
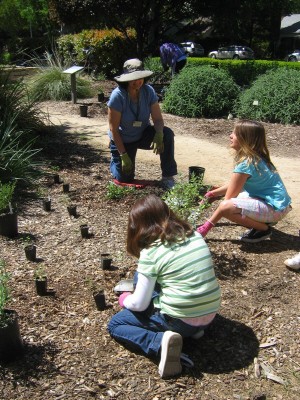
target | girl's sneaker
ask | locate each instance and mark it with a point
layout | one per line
(255, 236)
(294, 262)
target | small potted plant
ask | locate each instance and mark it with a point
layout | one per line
(47, 204)
(100, 95)
(8, 217)
(66, 187)
(106, 260)
(29, 248)
(84, 229)
(98, 294)
(11, 344)
(40, 277)
(56, 177)
(72, 208)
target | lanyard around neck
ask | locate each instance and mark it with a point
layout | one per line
(137, 111)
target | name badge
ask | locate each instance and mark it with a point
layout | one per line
(137, 124)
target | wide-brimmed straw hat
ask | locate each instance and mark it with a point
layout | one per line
(133, 69)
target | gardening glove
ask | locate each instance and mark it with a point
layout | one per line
(158, 143)
(126, 164)
(122, 297)
(209, 198)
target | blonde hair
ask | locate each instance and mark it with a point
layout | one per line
(251, 136)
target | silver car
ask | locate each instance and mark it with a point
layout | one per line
(193, 49)
(233, 52)
(294, 56)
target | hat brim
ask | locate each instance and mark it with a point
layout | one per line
(132, 76)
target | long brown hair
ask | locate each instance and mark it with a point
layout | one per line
(150, 219)
(252, 140)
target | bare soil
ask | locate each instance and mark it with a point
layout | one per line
(251, 351)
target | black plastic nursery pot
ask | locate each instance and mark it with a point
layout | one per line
(47, 204)
(83, 110)
(197, 172)
(72, 210)
(41, 286)
(9, 224)
(11, 344)
(100, 97)
(66, 187)
(84, 229)
(99, 298)
(30, 252)
(106, 260)
(56, 178)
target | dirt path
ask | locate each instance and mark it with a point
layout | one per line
(215, 158)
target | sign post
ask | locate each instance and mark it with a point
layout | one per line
(72, 71)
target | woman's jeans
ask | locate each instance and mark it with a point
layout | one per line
(167, 162)
(144, 332)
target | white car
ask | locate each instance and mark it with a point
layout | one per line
(193, 49)
(294, 56)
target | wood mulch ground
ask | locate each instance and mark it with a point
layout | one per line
(251, 351)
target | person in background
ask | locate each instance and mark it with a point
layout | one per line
(172, 56)
(175, 261)
(129, 109)
(255, 196)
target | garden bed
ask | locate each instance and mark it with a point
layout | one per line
(251, 351)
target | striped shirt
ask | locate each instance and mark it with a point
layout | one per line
(185, 273)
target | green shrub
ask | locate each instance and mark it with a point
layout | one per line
(277, 95)
(53, 84)
(243, 72)
(16, 105)
(20, 121)
(110, 49)
(201, 92)
(17, 159)
(159, 75)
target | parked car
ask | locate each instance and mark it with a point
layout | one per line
(294, 56)
(233, 52)
(193, 49)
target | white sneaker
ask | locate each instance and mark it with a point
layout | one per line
(168, 182)
(294, 262)
(170, 349)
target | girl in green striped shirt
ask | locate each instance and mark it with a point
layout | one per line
(177, 260)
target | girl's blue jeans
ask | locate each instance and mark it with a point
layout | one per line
(167, 162)
(144, 332)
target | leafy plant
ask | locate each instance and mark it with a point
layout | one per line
(16, 106)
(201, 92)
(6, 195)
(20, 121)
(27, 240)
(54, 168)
(4, 293)
(184, 197)
(273, 97)
(17, 159)
(40, 273)
(92, 285)
(115, 192)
